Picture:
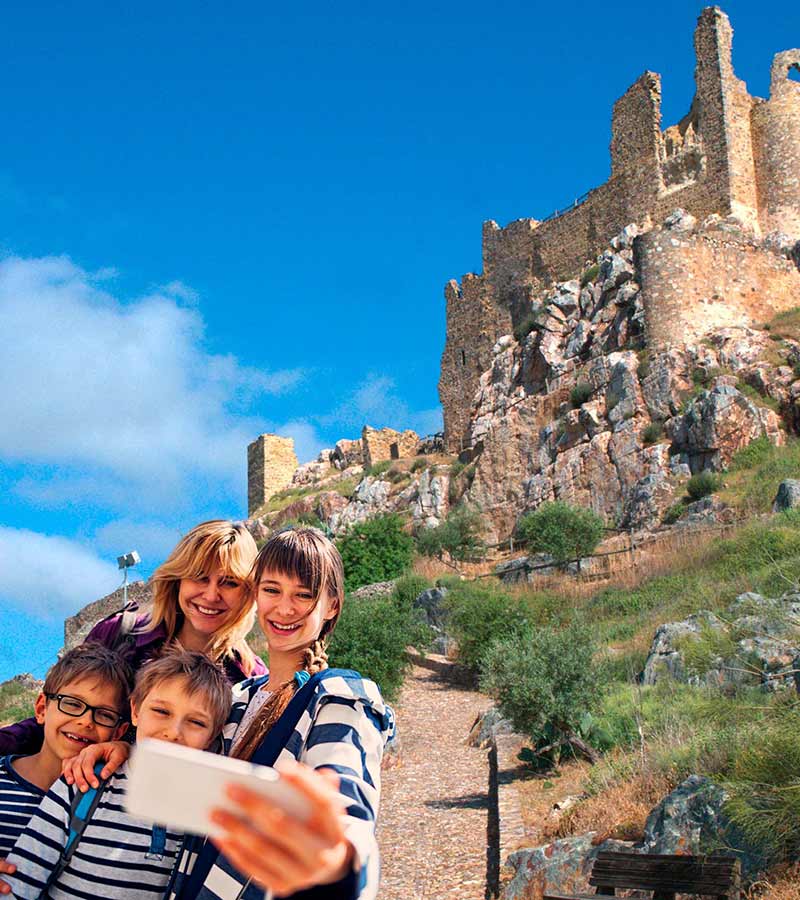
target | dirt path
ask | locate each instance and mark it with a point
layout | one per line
(433, 817)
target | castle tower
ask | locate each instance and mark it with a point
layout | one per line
(723, 108)
(271, 463)
(776, 130)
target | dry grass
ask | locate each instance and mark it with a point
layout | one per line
(783, 884)
(620, 812)
(667, 554)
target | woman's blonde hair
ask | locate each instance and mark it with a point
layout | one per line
(306, 555)
(210, 546)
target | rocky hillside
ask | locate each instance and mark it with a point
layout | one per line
(576, 407)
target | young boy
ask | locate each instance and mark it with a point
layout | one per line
(181, 697)
(84, 701)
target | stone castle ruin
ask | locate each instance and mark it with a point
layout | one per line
(732, 155)
(606, 354)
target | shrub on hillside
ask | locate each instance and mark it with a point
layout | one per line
(379, 468)
(480, 614)
(756, 453)
(457, 535)
(375, 550)
(652, 433)
(545, 682)
(526, 325)
(703, 484)
(371, 637)
(580, 394)
(764, 792)
(565, 532)
(419, 464)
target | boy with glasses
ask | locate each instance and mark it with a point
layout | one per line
(102, 851)
(84, 701)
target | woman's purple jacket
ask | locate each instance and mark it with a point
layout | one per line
(140, 646)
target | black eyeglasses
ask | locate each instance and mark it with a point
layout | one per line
(72, 706)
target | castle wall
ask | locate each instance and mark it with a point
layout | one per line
(776, 129)
(271, 464)
(694, 282)
(474, 323)
(730, 155)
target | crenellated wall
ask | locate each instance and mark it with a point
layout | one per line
(731, 155)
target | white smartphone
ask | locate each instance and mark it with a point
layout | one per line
(177, 786)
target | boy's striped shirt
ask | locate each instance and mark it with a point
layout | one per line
(118, 857)
(19, 800)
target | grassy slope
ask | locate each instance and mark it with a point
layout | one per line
(656, 736)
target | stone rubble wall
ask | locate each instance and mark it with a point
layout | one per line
(379, 444)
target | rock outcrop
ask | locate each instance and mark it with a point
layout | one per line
(756, 641)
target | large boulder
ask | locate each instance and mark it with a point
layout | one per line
(692, 820)
(689, 820)
(718, 423)
(756, 641)
(561, 867)
(788, 496)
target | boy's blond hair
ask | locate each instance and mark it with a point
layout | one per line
(200, 676)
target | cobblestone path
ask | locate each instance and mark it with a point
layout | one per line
(433, 815)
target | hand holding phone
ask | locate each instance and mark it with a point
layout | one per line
(178, 786)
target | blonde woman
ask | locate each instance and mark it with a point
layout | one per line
(203, 600)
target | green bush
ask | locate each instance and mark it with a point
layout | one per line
(457, 468)
(375, 550)
(773, 465)
(643, 366)
(371, 636)
(377, 469)
(590, 274)
(526, 325)
(458, 535)
(702, 484)
(565, 532)
(652, 433)
(544, 680)
(674, 513)
(580, 394)
(419, 464)
(479, 614)
(408, 587)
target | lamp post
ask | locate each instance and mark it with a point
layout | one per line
(126, 562)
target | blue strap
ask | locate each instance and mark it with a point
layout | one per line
(158, 843)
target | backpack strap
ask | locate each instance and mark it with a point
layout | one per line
(265, 755)
(80, 813)
(127, 622)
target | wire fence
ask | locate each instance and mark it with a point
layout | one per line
(560, 212)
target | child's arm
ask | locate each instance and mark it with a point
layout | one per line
(80, 770)
(287, 855)
(38, 848)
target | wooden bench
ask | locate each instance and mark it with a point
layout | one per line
(665, 876)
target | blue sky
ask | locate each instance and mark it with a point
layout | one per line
(220, 221)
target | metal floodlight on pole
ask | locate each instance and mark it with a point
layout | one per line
(126, 562)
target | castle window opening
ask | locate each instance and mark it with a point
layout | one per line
(394, 451)
(793, 72)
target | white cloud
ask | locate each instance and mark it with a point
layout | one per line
(51, 576)
(126, 391)
(307, 443)
(153, 540)
(376, 402)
